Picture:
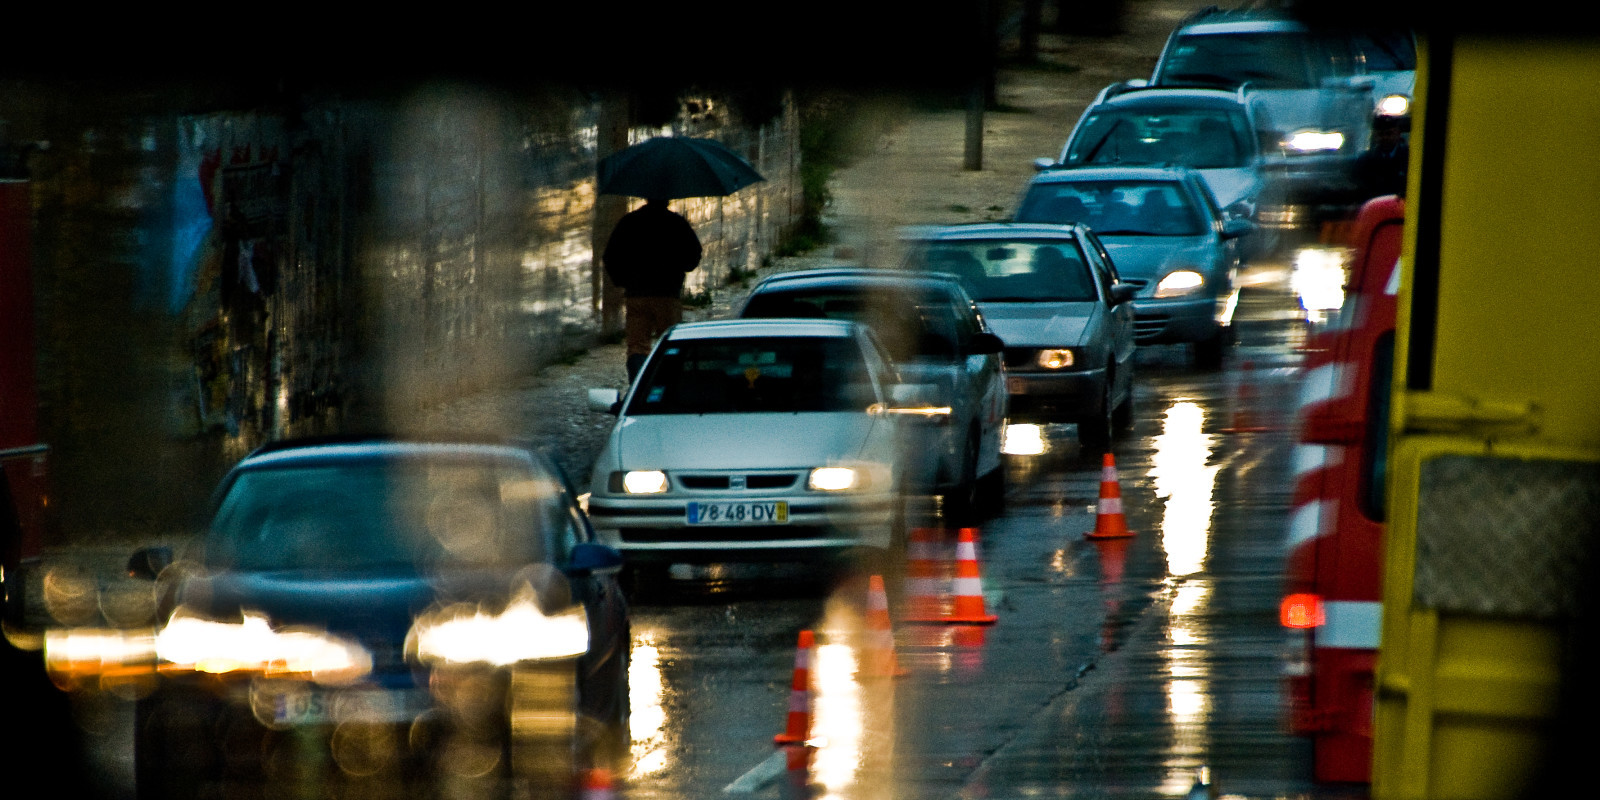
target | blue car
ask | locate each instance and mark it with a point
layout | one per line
(1166, 235)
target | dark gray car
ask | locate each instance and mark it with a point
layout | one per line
(1053, 296)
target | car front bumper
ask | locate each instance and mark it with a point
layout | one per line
(815, 526)
(1189, 319)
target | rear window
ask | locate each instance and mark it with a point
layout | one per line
(911, 324)
(1199, 138)
(1114, 208)
(1275, 60)
(753, 375)
(1046, 270)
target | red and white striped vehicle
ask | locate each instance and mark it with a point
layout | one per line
(1331, 601)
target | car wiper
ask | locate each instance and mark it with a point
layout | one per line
(1201, 77)
(1088, 157)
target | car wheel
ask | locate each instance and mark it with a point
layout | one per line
(1208, 353)
(644, 583)
(992, 492)
(1095, 430)
(961, 502)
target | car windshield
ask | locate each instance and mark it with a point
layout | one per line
(912, 324)
(1200, 138)
(385, 514)
(1114, 208)
(753, 375)
(1276, 60)
(1018, 270)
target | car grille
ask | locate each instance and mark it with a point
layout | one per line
(1149, 326)
(737, 482)
(727, 534)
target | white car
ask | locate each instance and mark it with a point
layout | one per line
(763, 440)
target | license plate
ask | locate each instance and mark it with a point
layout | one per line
(1016, 386)
(772, 512)
(308, 705)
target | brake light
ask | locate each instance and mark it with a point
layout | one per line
(1302, 610)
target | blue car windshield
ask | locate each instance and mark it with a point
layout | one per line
(1114, 208)
(1019, 270)
(1199, 138)
(386, 514)
(776, 374)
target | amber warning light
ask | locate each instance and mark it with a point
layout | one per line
(1301, 610)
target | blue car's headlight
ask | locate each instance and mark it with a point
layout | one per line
(189, 641)
(1179, 283)
(467, 634)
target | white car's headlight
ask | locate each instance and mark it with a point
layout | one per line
(465, 634)
(1055, 359)
(1180, 283)
(648, 481)
(836, 479)
(1314, 141)
(192, 642)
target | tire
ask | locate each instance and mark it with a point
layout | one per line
(961, 502)
(992, 493)
(1122, 415)
(1095, 430)
(1209, 354)
(645, 583)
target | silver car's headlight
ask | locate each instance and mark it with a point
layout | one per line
(466, 634)
(1393, 105)
(1311, 140)
(189, 641)
(1179, 283)
(640, 481)
(836, 479)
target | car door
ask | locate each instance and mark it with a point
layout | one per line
(985, 378)
(1120, 315)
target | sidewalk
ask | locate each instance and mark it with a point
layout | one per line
(912, 175)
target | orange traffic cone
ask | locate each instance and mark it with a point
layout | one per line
(923, 598)
(1108, 520)
(1244, 402)
(879, 658)
(798, 727)
(968, 585)
(597, 785)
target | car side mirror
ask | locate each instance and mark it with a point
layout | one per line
(589, 558)
(604, 400)
(1042, 164)
(1236, 227)
(1122, 292)
(148, 562)
(984, 344)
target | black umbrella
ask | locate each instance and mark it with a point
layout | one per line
(670, 167)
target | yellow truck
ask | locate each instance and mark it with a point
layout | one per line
(1483, 678)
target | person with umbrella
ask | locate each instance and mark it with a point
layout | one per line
(650, 253)
(652, 249)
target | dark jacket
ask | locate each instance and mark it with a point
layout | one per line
(650, 251)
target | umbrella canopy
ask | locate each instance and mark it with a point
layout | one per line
(671, 167)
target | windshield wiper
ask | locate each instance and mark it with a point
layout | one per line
(1088, 157)
(1201, 77)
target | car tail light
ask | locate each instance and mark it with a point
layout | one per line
(1302, 610)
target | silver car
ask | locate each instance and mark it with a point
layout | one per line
(1166, 235)
(937, 336)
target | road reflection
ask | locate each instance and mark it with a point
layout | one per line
(1185, 479)
(647, 725)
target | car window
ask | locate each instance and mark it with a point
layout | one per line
(1267, 60)
(387, 513)
(1105, 271)
(754, 374)
(1114, 208)
(1386, 51)
(1200, 138)
(1020, 270)
(911, 324)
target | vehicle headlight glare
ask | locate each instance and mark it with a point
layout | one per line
(1179, 283)
(1055, 359)
(834, 479)
(252, 645)
(649, 481)
(1314, 141)
(522, 632)
(1394, 105)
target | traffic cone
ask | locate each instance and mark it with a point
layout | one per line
(968, 585)
(1108, 520)
(923, 598)
(1244, 402)
(597, 785)
(798, 727)
(879, 657)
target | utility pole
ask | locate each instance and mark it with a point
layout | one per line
(615, 118)
(981, 65)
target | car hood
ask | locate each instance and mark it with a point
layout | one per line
(1289, 110)
(1231, 185)
(1041, 324)
(1149, 258)
(739, 441)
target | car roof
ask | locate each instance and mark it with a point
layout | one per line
(857, 276)
(1113, 173)
(1174, 95)
(993, 230)
(734, 328)
(345, 448)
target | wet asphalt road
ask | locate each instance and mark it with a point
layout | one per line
(1116, 668)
